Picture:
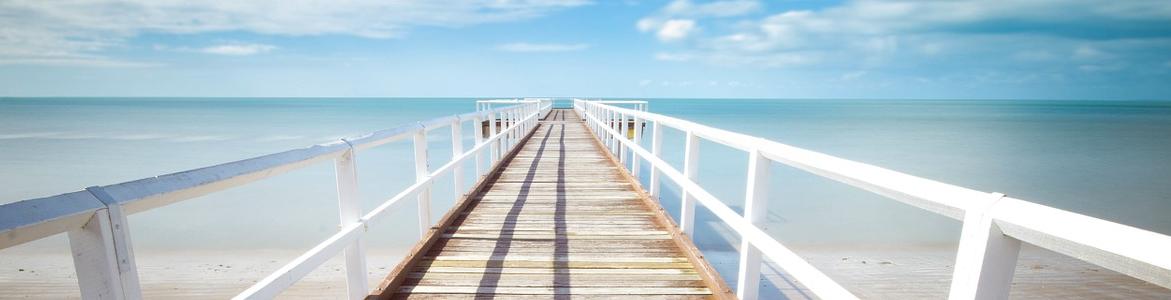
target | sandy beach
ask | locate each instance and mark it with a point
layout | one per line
(870, 272)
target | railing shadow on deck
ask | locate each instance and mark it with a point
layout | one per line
(490, 280)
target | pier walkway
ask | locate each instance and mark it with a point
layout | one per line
(558, 218)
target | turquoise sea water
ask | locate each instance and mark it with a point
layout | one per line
(1110, 160)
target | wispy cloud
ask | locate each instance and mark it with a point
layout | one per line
(56, 32)
(966, 34)
(540, 47)
(728, 8)
(675, 29)
(238, 49)
(677, 20)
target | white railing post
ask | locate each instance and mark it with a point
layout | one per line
(421, 174)
(494, 149)
(755, 210)
(986, 258)
(622, 151)
(511, 130)
(637, 142)
(614, 138)
(478, 128)
(102, 254)
(690, 169)
(657, 151)
(457, 148)
(349, 213)
(598, 123)
(508, 133)
(506, 129)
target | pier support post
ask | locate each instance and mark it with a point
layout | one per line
(614, 138)
(622, 151)
(350, 212)
(478, 128)
(755, 211)
(421, 173)
(986, 258)
(634, 167)
(494, 149)
(457, 148)
(690, 169)
(102, 254)
(657, 151)
(509, 129)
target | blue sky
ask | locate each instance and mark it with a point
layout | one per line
(965, 49)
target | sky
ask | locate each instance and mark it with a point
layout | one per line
(955, 49)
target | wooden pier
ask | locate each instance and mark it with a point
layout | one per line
(554, 214)
(559, 217)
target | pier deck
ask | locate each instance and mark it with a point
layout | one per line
(558, 218)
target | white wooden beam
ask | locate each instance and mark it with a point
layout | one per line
(478, 128)
(457, 148)
(421, 174)
(986, 258)
(103, 253)
(350, 213)
(691, 170)
(656, 151)
(755, 210)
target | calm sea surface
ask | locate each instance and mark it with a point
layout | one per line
(1110, 160)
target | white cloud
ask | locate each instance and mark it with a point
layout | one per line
(677, 20)
(712, 9)
(674, 56)
(853, 75)
(867, 34)
(1085, 52)
(531, 47)
(60, 32)
(648, 24)
(675, 29)
(238, 49)
(1034, 55)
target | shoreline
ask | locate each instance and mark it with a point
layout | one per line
(880, 272)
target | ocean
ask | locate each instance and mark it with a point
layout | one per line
(1107, 159)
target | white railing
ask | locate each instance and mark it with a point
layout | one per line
(95, 218)
(993, 225)
(547, 103)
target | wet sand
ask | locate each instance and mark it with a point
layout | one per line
(872, 273)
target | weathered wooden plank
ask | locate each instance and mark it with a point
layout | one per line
(555, 237)
(553, 222)
(427, 289)
(555, 227)
(551, 281)
(577, 276)
(560, 232)
(554, 264)
(571, 244)
(650, 252)
(408, 296)
(499, 270)
(583, 258)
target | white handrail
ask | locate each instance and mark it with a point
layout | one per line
(994, 225)
(96, 217)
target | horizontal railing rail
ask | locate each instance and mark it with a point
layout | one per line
(95, 218)
(546, 104)
(993, 225)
